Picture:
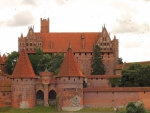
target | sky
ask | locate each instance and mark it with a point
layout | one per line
(129, 20)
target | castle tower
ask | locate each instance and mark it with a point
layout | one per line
(23, 83)
(116, 50)
(44, 25)
(46, 78)
(70, 84)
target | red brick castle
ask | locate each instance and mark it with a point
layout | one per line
(23, 89)
(82, 45)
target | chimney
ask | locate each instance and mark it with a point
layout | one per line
(82, 38)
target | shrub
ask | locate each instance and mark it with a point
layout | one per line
(132, 108)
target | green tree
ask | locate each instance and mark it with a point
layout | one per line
(34, 59)
(120, 60)
(44, 62)
(55, 63)
(129, 75)
(135, 75)
(51, 62)
(10, 62)
(98, 68)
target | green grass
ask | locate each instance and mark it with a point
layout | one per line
(36, 109)
(50, 109)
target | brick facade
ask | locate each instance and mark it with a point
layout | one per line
(82, 44)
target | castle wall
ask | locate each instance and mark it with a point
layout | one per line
(109, 99)
(5, 99)
(97, 82)
(23, 93)
(115, 98)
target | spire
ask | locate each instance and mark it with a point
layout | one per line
(69, 67)
(23, 68)
(21, 35)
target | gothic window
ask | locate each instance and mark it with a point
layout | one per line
(30, 44)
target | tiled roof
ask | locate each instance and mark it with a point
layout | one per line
(1, 60)
(125, 65)
(69, 67)
(103, 76)
(4, 57)
(23, 68)
(58, 42)
(119, 66)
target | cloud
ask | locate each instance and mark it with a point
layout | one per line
(125, 24)
(132, 44)
(60, 2)
(29, 2)
(22, 18)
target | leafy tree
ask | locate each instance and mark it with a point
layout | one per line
(135, 75)
(55, 63)
(129, 75)
(10, 62)
(34, 59)
(98, 68)
(44, 62)
(120, 60)
(51, 62)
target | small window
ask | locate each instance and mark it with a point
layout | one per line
(26, 44)
(79, 53)
(30, 44)
(3, 94)
(85, 53)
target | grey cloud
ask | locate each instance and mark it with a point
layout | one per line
(29, 2)
(22, 18)
(125, 24)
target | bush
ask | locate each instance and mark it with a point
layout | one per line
(132, 108)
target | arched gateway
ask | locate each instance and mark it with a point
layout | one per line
(52, 97)
(39, 98)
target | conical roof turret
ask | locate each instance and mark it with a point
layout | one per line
(69, 67)
(23, 68)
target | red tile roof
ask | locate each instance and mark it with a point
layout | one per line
(126, 65)
(4, 57)
(103, 76)
(58, 42)
(69, 67)
(1, 60)
(23, 68)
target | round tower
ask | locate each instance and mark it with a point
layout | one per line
(69, 84)
(23, 83)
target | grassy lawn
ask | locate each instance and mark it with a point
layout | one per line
(43, 109)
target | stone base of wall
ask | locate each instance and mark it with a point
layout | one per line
(72, 108)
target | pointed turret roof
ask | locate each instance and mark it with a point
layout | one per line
(4, 57)
(1, 60)
(23, 68)
(69, 67)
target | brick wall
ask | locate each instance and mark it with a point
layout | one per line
(23, 93)
(109, 99)
(5, 99)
